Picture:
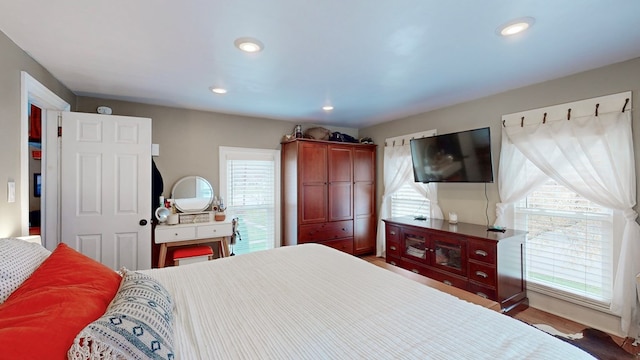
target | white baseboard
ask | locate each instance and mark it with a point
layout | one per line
(589, 317)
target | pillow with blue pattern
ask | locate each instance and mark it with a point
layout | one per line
(138, 324)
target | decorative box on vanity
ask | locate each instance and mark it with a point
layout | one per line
(467, 256)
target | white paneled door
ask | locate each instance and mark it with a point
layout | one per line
(105, 192)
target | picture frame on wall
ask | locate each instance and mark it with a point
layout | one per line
(37, 185)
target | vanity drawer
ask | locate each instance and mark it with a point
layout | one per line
(175, 234)
(482, 251)
(482, 273)
(326, 231)
(213, 230)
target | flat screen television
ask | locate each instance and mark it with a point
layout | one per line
(463, 156)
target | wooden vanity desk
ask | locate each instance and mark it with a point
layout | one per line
(192, 234)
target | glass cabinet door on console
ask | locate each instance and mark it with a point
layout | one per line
(415, 247)
(449, 254)
(441, 252)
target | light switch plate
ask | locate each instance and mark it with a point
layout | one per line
(11, 191)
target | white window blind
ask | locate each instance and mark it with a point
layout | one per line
(408, 202)
(251, 186)
(569, 244)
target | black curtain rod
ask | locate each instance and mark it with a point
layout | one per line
(544, 118)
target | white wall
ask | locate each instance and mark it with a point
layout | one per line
(13, 60)
(189, 139)
(468, 200)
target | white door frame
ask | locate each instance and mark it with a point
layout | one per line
(33, 92)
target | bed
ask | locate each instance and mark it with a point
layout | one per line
(299, 302)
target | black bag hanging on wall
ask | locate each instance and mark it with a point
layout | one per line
(157, 187)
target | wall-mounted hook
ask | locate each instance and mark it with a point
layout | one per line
(569, 114)
(544, 119)
(597, 106)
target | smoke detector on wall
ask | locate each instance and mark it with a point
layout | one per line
(105, 110)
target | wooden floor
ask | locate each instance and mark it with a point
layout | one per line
(534, 316)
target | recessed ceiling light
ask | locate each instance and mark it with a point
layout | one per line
(515, 26)
(218, 90)
(248, 44)
(327, 108)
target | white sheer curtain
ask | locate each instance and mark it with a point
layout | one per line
(517, 177)
(592, 156)
(398, 170)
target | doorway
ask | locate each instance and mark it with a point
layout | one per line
(34, 93)
(35, 168)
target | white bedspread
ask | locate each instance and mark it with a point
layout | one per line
(313, 302)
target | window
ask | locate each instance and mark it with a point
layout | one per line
(250, 187)
(408, 202)
(569, 244)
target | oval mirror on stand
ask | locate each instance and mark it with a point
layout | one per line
(192, 194)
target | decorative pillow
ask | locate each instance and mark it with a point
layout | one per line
(41, 318)
(137, 325)
(18, 260)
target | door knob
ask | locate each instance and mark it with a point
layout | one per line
(143, 222)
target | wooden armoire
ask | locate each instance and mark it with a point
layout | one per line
(328, 194)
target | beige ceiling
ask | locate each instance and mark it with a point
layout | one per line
(372, 60)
